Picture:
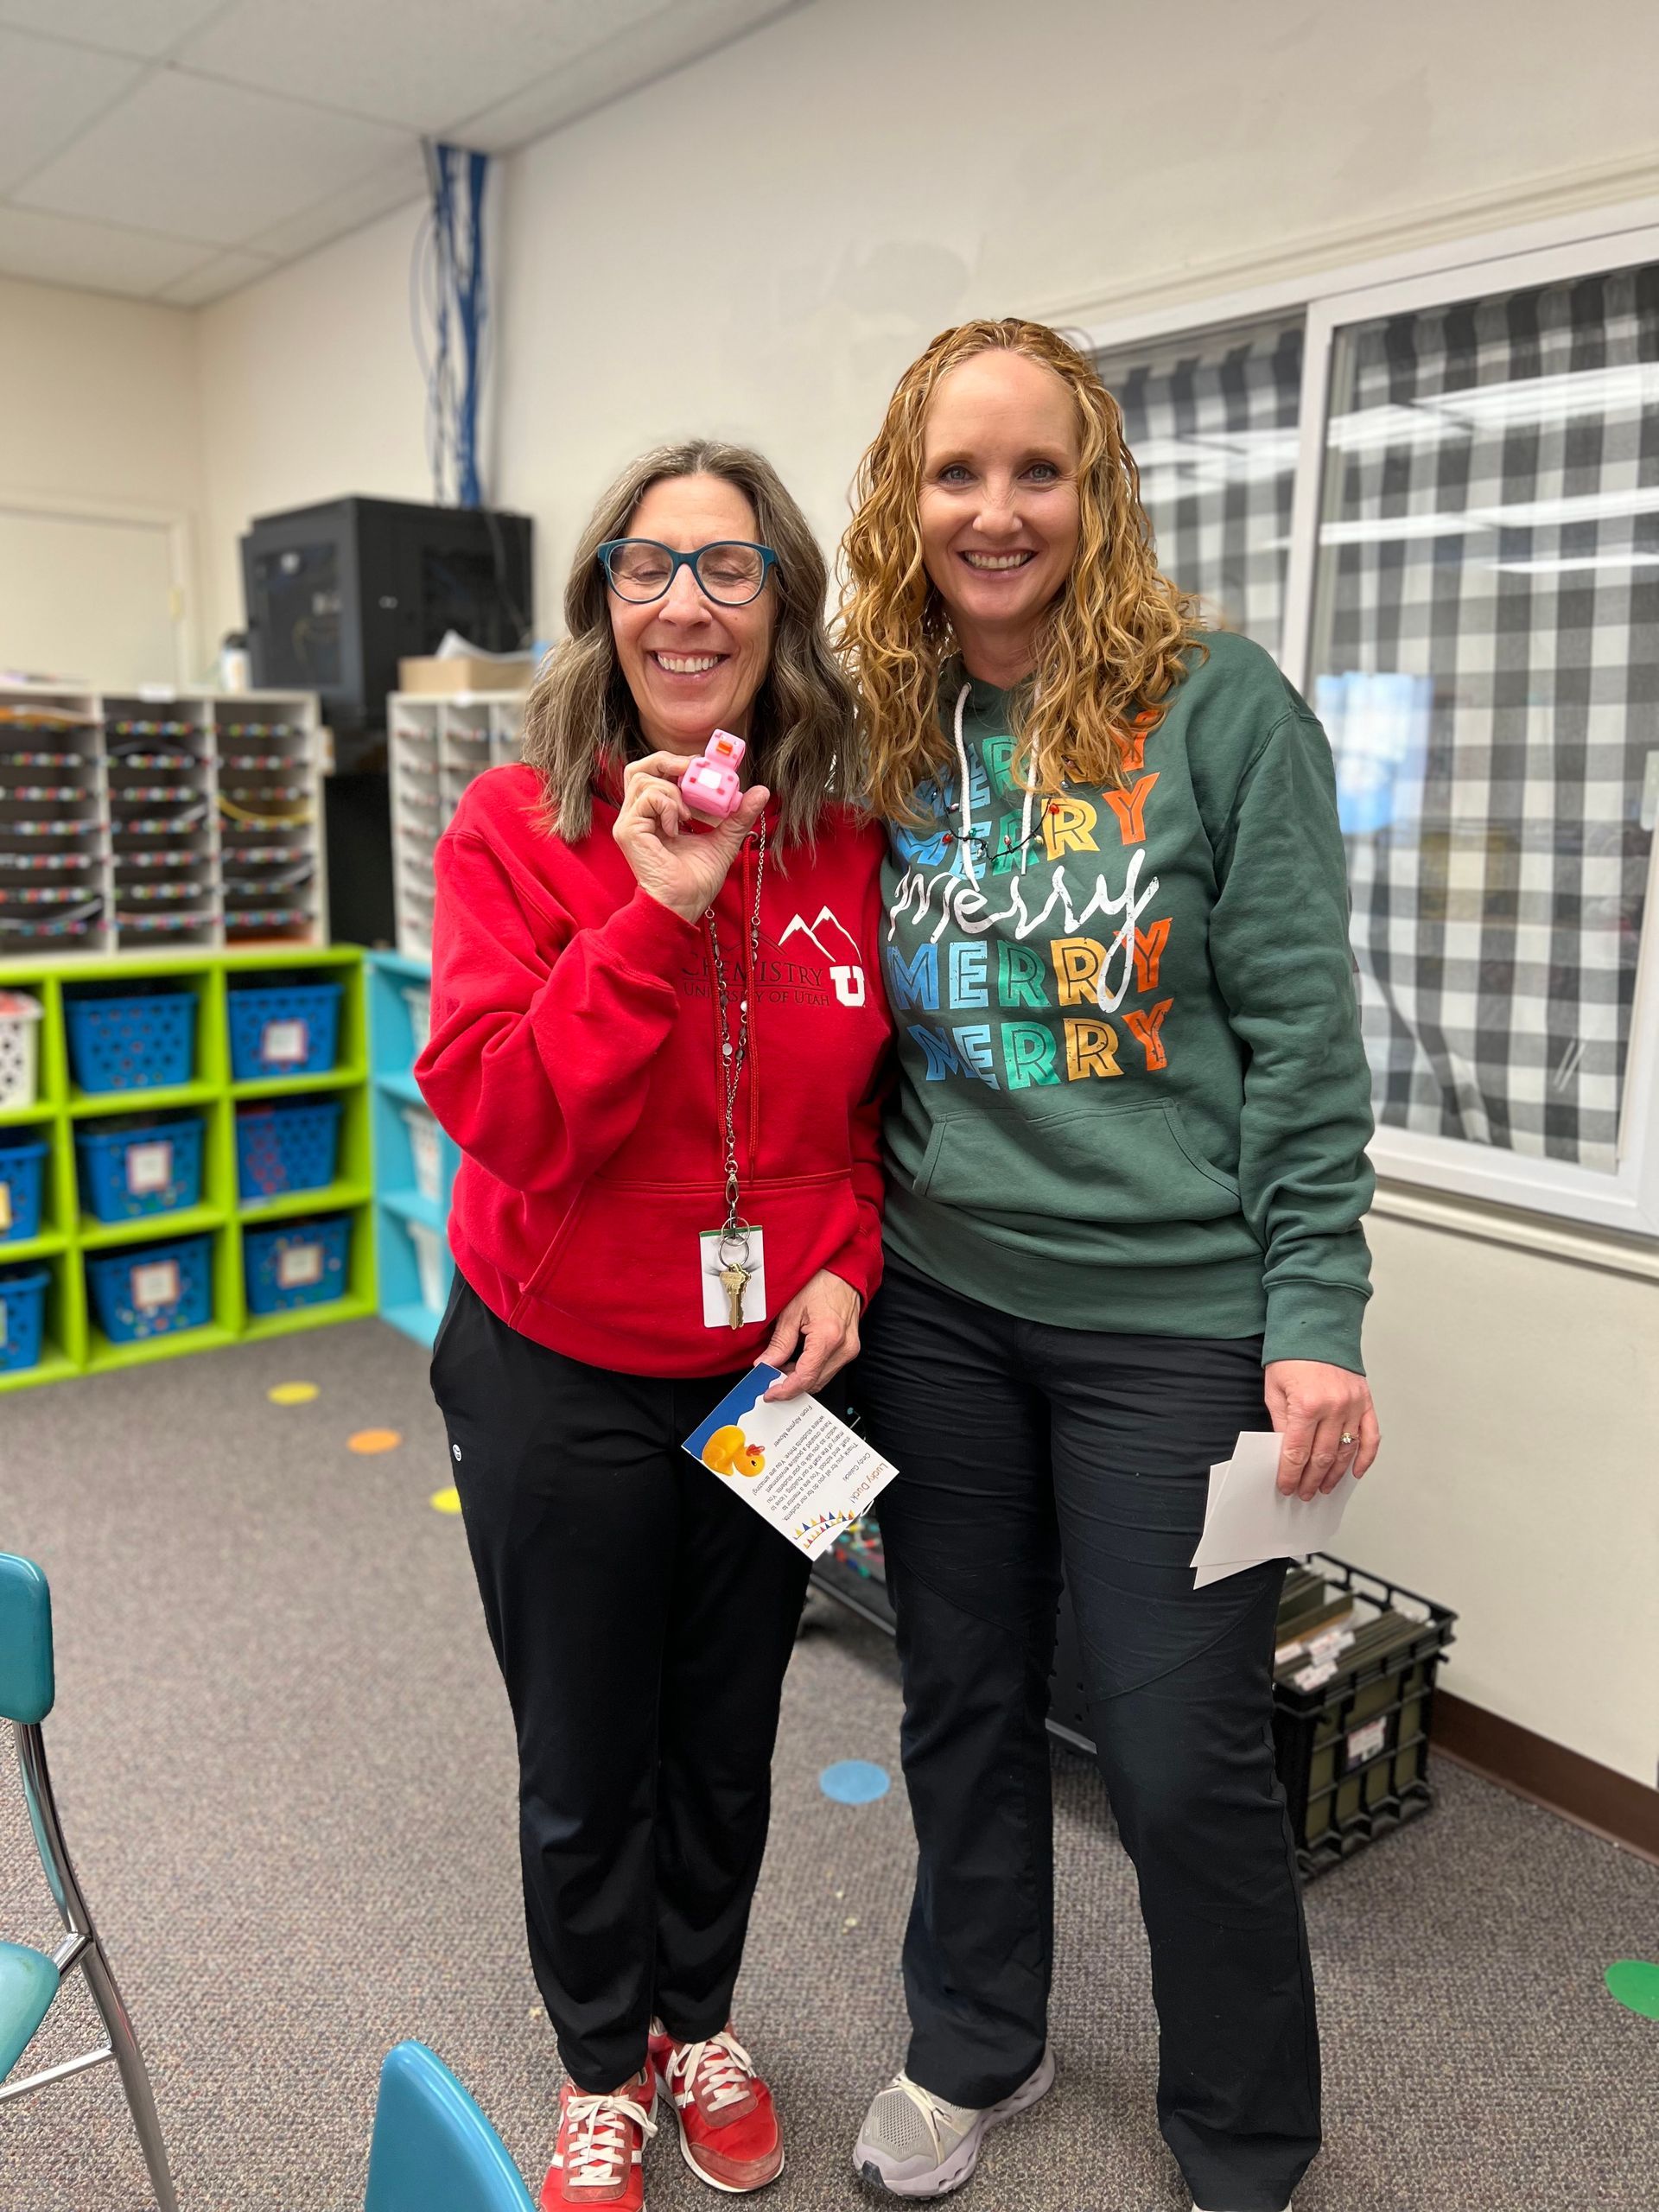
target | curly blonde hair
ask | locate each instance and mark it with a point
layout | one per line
(1108, 650)
(580, 723)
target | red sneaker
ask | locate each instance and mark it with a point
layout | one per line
(598, 2160)
(729, 2130)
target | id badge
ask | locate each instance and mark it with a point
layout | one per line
(749, 1253)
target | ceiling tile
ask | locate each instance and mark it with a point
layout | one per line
(142, 27)
(47, 93)
(223, 273)
(209, 161)
(420, 63)
(394, 186)
(57, 249)
(673, 37)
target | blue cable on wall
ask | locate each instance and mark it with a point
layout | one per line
(450, 310)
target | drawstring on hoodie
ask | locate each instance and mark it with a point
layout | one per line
(965, 805)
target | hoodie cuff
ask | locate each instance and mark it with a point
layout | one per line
(645, 934)
(1314, 1320)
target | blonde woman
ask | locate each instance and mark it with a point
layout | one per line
(653, 1042)
(1127, 1176)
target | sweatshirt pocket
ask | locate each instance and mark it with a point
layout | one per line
(1119, 1167)
(625, 1263)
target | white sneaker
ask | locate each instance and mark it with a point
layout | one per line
(918, 2145)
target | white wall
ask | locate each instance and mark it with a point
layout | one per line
(757, 245)
(99, 415)
(311, 391)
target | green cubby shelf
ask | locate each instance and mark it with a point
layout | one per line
(73, 1345)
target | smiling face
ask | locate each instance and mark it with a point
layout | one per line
(692, 666)
(998, 506)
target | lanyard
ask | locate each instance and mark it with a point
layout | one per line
(734, 1054)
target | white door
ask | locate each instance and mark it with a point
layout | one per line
(90, 599)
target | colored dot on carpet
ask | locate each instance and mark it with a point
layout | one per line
(1635, 1983)
(291, 1393)
(855, 1781)
(446, 1501)
(374, 1439)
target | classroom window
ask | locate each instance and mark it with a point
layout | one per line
(1486, 649)
(1435, 499)
(1211, 421)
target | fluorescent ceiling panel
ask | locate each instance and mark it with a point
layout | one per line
(48, 92)
(59, 250)
(208, 161)
(146, 28)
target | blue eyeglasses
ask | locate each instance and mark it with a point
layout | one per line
(731, 572)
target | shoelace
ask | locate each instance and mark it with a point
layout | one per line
(599, 2142)
(724, 2064)
(931, 2109)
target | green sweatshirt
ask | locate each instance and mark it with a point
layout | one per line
(1131, 1093)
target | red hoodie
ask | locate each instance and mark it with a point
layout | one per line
(575, 1058)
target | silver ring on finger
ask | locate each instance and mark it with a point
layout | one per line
(1345, 1439)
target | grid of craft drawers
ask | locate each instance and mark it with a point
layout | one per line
(69, 1239)
(437, 746)
(415, 1162)
(132, 824)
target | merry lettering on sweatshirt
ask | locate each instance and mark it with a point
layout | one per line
(1011, 952)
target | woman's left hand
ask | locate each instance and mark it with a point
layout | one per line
(1314, 1405)
(822, 1320)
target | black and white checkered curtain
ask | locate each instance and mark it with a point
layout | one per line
(1212, 424)
(1489, 631)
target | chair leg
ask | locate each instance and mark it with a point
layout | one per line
(135, 2078)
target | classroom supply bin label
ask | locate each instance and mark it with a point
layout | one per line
(156, 1284)
(284, 1044)
(150, 1167)
(299, 1264)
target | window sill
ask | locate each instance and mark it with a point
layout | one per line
(1489, 1224)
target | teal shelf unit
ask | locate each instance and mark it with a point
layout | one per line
(410, 1226)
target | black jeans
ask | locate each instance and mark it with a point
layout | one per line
(643, 1618)
(1022, 1447)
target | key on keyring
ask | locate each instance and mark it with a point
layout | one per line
(735, 1281)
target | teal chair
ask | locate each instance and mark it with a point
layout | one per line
(29, 1979)
(433, 2149)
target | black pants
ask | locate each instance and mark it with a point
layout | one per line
(643, 1618)
(1022, 1447)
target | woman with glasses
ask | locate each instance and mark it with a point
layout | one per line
(1127, 1144)
(658, 1042)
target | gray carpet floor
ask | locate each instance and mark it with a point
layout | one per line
(285, 1768)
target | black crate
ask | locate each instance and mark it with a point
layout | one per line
(1353, 1750)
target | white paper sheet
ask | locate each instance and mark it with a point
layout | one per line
(1247, 1519)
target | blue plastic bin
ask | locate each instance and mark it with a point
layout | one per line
(287, 1148)
(150, 1163)
(296, 1263)
(282, 1029)
(23, 1313)
(125, 1042)
(152, 1290)
(20, 1189)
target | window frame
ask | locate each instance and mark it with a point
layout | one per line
(1627, 1200)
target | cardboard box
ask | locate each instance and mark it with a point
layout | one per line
(443, 678)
